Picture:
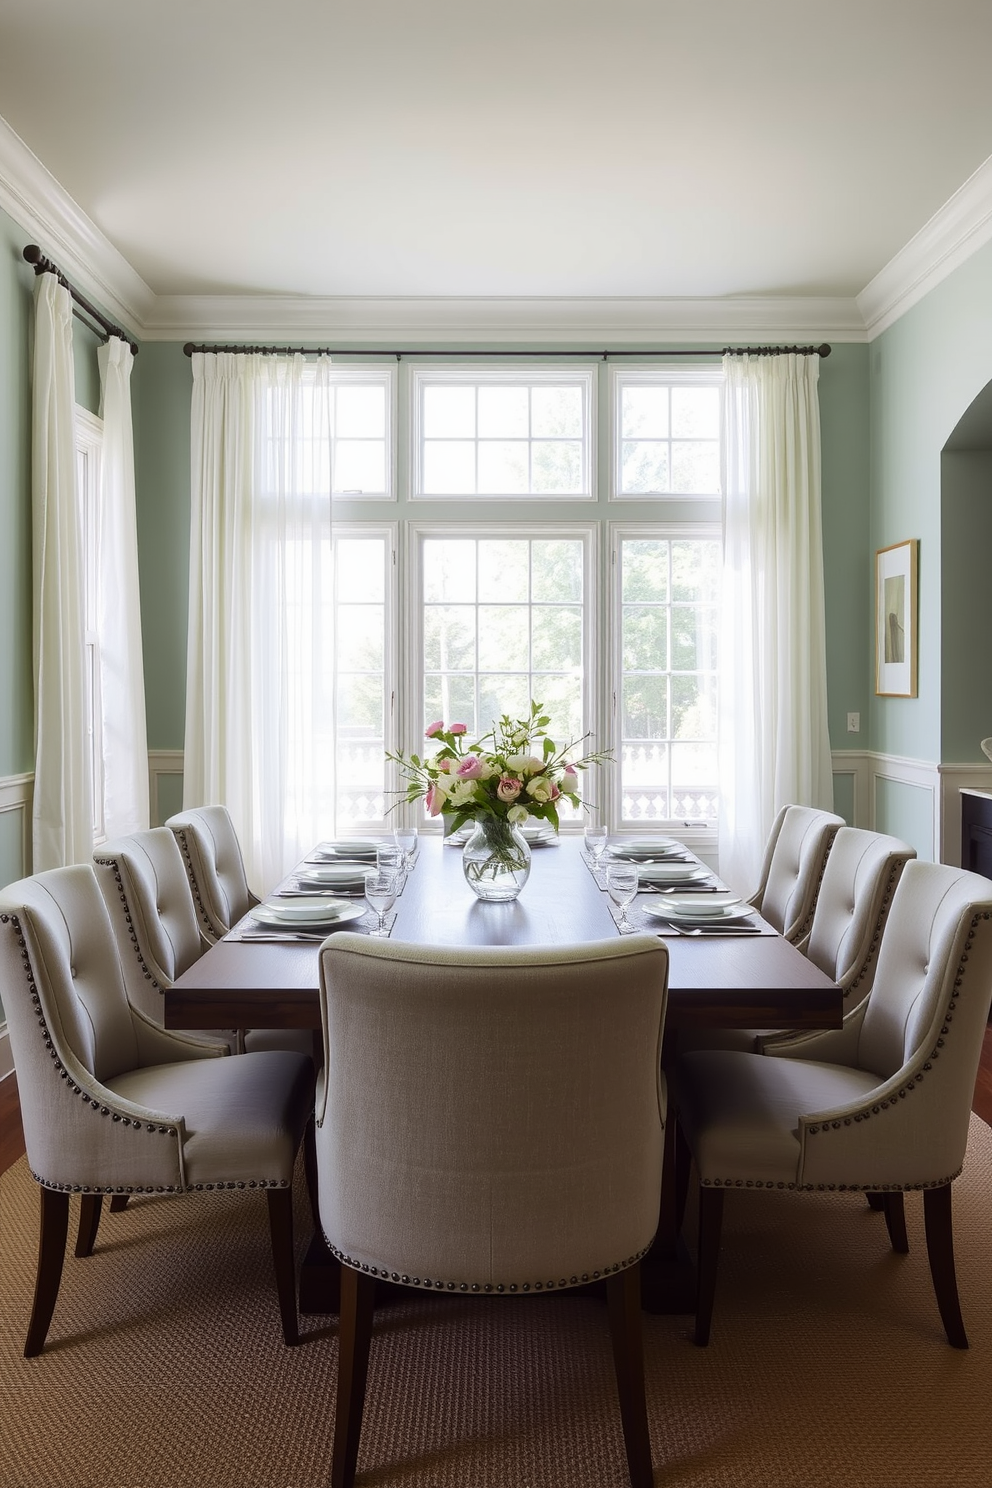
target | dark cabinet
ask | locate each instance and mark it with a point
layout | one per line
(976, 831)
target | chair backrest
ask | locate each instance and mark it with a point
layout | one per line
(793, 865)
(65, 1002)
(151, 907)
(855, 896)
(216, 869)
(491, 1118)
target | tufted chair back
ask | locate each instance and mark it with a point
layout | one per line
(490, 1120)
(855, 896)
(147, 893)
(215, 866)
(793, 865)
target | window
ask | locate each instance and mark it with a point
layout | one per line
(611, 624)
(481, 433)
(89, 447)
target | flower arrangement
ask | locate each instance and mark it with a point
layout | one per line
(513, 772)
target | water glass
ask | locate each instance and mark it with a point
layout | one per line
(380, 893)
(390, 859)
(596, 841)
(405, 839)
(622, 884)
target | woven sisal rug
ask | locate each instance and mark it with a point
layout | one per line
(165, 1366)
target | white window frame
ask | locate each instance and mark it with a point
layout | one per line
(88, 437)
(376, 374)
(700, 836)
(511, 375)
(589, 534)
(652, 376)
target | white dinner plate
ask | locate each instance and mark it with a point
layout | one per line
(647, 847)
(307, 912)
(672, 873)
(730, 914)
(334, 875)
(539, 832)
(698, 905)
(347, 847)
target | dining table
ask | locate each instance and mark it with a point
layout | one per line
(754, 978)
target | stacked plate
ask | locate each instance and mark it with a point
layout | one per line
(643, 849)
(699, 909)
(361, 849)
(538, 833)
(347, 878)
(661, 875)
(308, 912)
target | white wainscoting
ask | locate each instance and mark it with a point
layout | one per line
(162, 763)
(938, 808)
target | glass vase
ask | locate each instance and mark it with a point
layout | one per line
(495, 860)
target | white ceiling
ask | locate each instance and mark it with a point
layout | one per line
(593, 148)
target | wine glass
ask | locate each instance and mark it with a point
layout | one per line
(380, 893)
(622, 885)
(405, 839)
(389, 859)
(596, 841)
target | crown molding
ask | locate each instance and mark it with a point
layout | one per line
(630, 321)
(31, 195)
(961, 226)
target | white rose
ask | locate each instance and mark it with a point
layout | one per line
(540, 788)
(517, 814)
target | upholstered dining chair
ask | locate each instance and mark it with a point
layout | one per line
(881, 1105)
(490, 1123)
(792, 867)
(859, 880)
(215, 866)
(113, 1104)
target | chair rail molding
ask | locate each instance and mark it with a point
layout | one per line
(161, 763)
(854, 764)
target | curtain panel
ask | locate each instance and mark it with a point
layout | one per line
(63, 794)
(122, 683)
(260, 669)
(774, 745)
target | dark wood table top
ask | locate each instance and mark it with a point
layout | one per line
(733, 982)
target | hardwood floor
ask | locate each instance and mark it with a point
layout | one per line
(12, 1138)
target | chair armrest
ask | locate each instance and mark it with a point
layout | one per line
(157, 1045)
(824, 1046)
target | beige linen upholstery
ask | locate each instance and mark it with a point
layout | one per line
(881, 1105)
(795, 854)
(490, 1121)
(113, 1104)
(212, 856)
(215, 871)
(856, 891)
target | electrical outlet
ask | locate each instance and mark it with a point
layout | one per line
(854, 723)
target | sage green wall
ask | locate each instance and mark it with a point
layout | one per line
(966, 602)
(926, 370)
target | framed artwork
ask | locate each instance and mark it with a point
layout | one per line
(895, 620)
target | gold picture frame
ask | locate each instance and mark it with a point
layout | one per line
(896, 658)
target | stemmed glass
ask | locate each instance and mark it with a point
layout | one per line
(621, 885)
(390, 859)
(380, 893)
(405, 839)
(596, 842)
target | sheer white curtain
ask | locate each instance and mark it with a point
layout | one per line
(122, 686)
(63, 793)
(774, 742)
(260, 667)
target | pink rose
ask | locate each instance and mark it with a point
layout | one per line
(470, 767)
(433, 729)
(447, 764)
(458, 728)
(570, 780)
(508, 788)
(434, 800)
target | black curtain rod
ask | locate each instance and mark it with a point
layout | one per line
(191, 347)
(42, 265)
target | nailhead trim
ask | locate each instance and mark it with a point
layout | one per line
(487, 1288)
(160, 1188)
(115, 865)
(207, 923)
(804, 928)
(895, 873)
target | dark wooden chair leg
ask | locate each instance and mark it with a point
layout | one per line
(51, 1254)
(118, 1203)
(90, 1207)
(940, 1249)
(876, 1201)
(310, 1170)
(280, 1202)
(710, 1225)
(354, 1340)
(895, 1221)
(623, 1295)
